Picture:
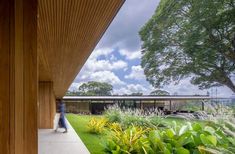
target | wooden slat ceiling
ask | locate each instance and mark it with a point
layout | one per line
(68, 31)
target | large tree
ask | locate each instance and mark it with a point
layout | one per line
(94, 88)
(160, 92)
(190, 38)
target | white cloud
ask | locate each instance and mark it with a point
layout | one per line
(105, 76)
(101, 65)
(130, 55)
(133, 88)
(137, 73)
(108, 63)
(113, 58)
(186, 88)
(100, 52)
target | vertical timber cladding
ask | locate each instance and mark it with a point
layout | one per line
(47, 106)
(18, 77)
(30, 76)
(4, 76)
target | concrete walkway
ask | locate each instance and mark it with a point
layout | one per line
(50, 142)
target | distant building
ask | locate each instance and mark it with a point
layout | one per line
(97, 104)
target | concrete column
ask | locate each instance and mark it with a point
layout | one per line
(18, 77)
(154, 104)
(141, 105)
(170, 105)
(202, 105)
(46, 105)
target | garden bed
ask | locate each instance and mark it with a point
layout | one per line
(122, 131)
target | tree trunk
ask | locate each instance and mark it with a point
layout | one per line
(230, 84)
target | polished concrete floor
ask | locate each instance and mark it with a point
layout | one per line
(51, 142)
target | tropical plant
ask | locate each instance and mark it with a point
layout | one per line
(190, 138)
(97, 125)
(132, 140)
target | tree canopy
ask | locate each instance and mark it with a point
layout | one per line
(160, 92)
(94, 88)
(190, 38)
(72, 93)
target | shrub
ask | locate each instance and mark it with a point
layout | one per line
(189, 138)
(131, 140)
(134, 120)
(113, 114)
(127, 117)
(114, 126)
(157, 121)
(97, 125)
(138, 132)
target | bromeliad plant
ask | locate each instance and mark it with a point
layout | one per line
(132, 140)
(97, 125)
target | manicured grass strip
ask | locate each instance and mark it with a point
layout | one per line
(92, 141)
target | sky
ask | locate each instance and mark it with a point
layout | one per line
(117, 57)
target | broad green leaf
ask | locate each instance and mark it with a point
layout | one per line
(169, 147)
(231, 140)
(204, 139)
(206, 150)
(196, 151)
(184, 139)
(166, 151)
(183, 130)
(197, 139)
(212, 139)
(209, 130)
(197, 127)
(189, 124)
(182, 150)
(170, 133)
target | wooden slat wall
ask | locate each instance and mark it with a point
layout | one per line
(68, 31)
(4, 76)
(18, 77)
(46, 109)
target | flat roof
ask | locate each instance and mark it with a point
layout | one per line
(144, 97)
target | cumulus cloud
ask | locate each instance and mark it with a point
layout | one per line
(105, 76)
(97, 69)
(99, 65)
(108, 63)
(101, 52)
(136, 73)
(134, 88)
(186, 88)
(130, 55)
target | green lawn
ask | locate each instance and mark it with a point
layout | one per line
(92, 141)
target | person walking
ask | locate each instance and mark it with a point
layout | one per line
(62, 121)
